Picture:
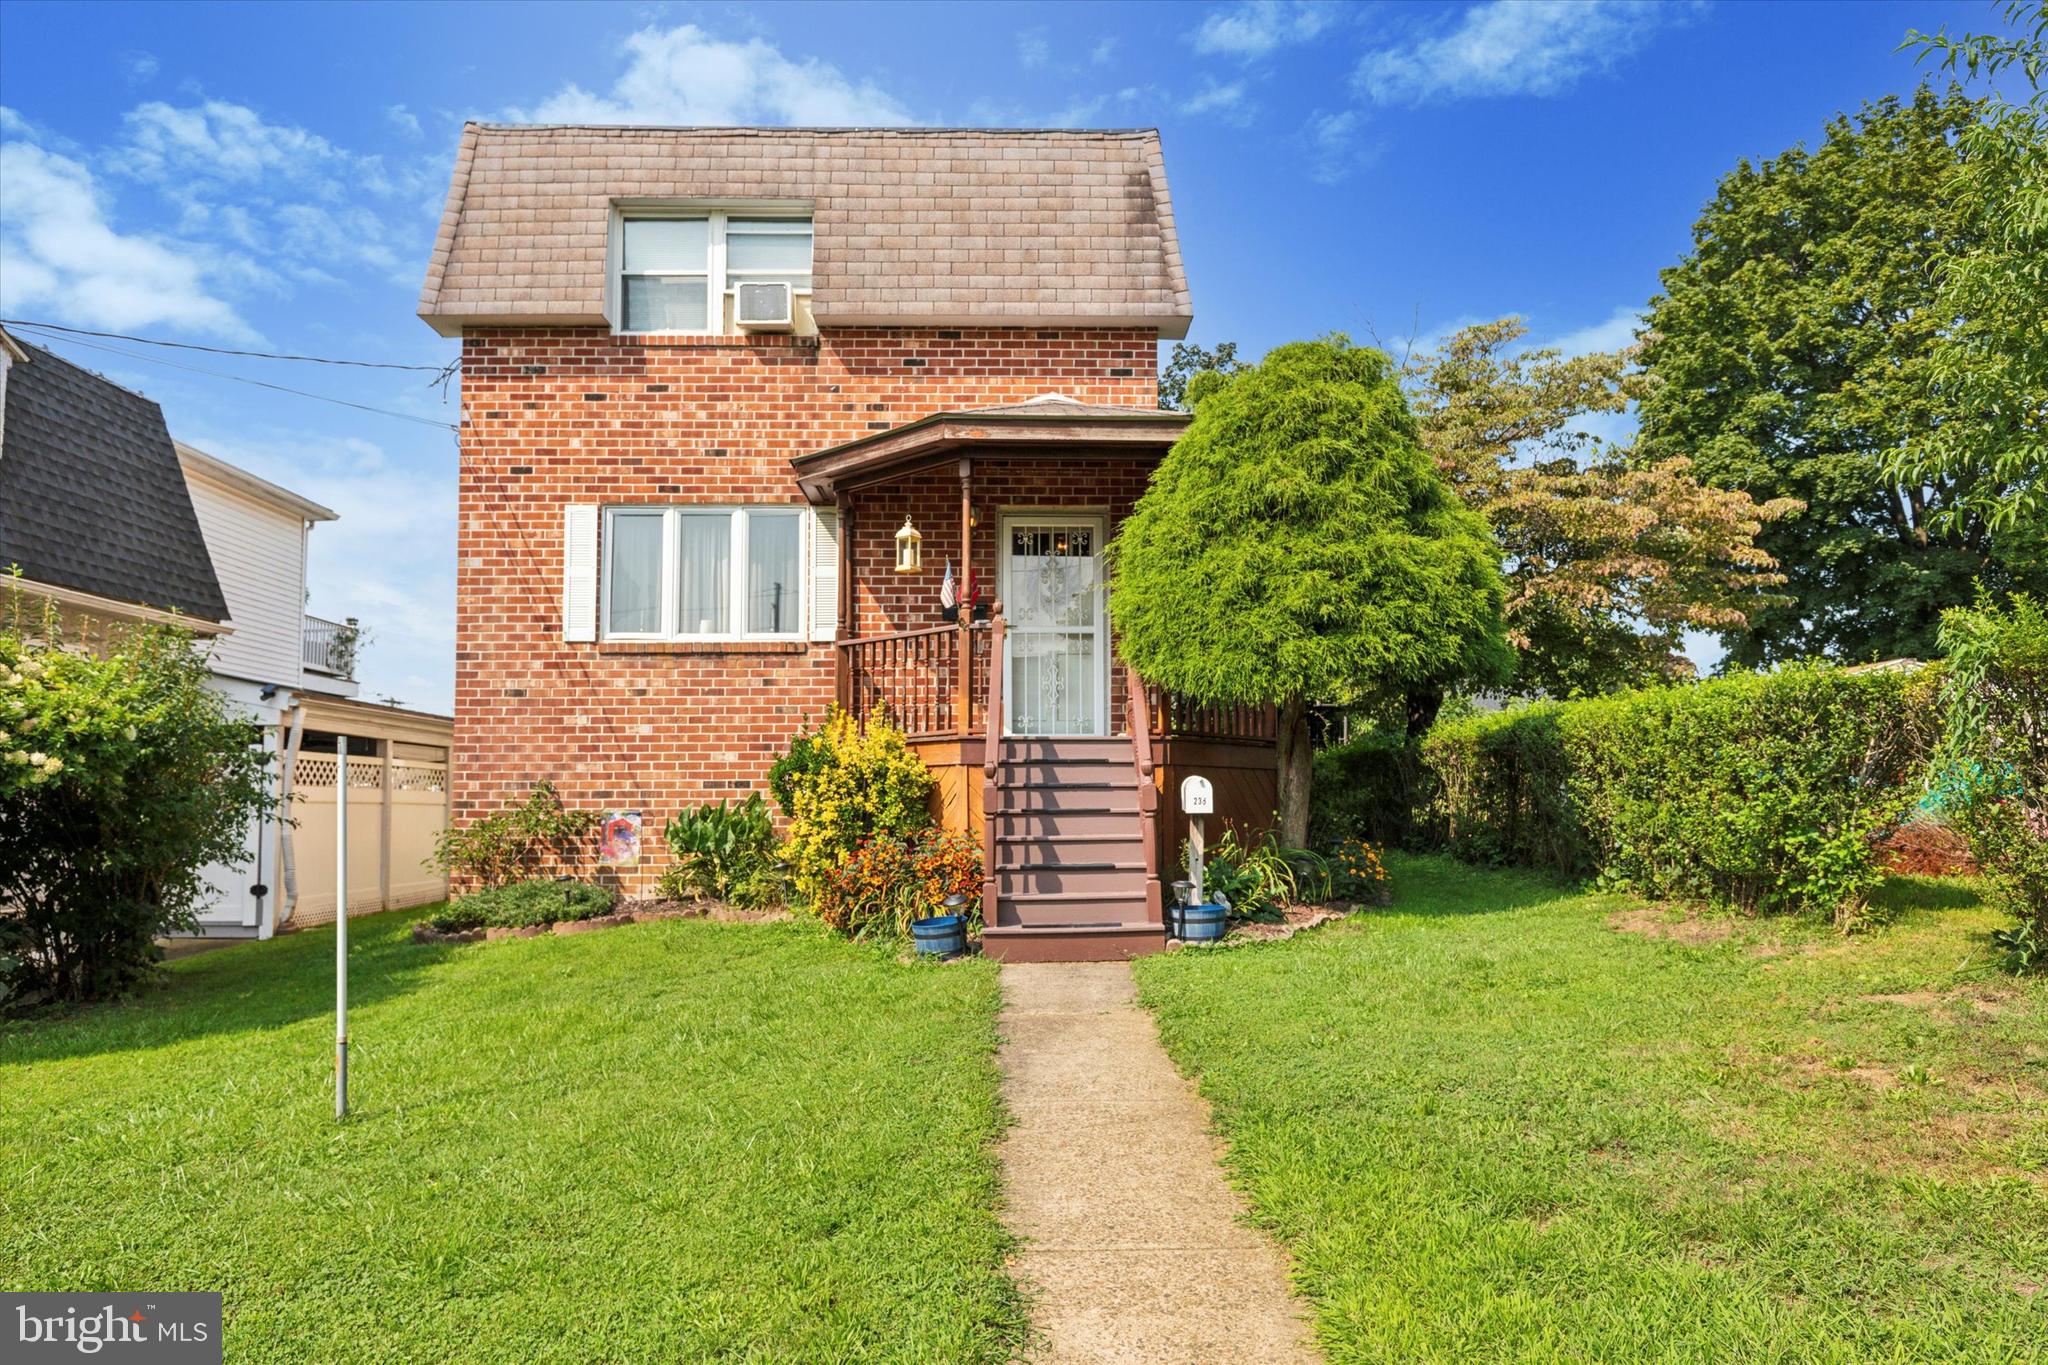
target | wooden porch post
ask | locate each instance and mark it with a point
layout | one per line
(842, 683)
(963, 656)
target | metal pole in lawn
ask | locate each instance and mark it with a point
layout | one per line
(341, 926)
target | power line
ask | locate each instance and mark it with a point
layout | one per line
(440, 370)
(259, 383)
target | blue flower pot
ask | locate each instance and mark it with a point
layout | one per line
(1202, 923)
(940, 936)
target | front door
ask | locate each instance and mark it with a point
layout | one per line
(1057, 657)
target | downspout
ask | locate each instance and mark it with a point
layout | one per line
(287, 865)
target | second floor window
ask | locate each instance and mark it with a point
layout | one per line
(677, 272)
(703, 573)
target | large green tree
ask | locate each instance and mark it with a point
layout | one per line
(1298, 545)
(1992, 358)
(1608, 562)
(1790, 354)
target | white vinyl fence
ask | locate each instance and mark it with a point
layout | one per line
(396, 808)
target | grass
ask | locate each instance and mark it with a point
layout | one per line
(668, 1141)
(1508, 1121)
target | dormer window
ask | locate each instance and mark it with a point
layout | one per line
(677, 270)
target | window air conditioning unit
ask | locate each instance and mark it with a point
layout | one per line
(763, 305)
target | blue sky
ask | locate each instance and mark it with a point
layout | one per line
(269, 176)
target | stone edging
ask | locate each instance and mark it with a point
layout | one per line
(425, 932)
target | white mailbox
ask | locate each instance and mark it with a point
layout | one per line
(1197, 797)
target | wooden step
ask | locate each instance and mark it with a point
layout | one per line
(1119, 845)
(1069, 772)
(1066, 824)
(1054, 750)
(1038, 879)
(1090, 943)
(1058, 909)
(1076, 797)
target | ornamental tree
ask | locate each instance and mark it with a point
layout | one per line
(1608, 562)
(122, 776)
(1299, 546)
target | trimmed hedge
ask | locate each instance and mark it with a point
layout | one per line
(526, 905)
(1761, 793)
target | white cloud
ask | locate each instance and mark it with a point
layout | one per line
(403, 119)
(685, 76)
(1225, 101)
(59, 255)
(216, 140)
(291, 203)
(138, 67)
(1103, 52)
(1334, 146)
(1613, 334)
(1256, 28)
(1032, 48)
(1514, 47)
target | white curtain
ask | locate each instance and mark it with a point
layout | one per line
(635, 607)
(774, 560)
(703, 559)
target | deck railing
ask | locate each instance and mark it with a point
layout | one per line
(915, 677)
(1170, 714)
(329, 646)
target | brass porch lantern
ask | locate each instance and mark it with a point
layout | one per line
(909, 549)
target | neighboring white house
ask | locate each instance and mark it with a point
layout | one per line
(108, 518)
(294, 674)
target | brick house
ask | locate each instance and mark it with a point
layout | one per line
(715, 384)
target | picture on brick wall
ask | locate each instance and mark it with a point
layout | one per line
(621, 843)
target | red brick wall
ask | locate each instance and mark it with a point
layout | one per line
(553, 416)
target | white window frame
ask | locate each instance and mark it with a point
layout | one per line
(738, 545)
(716, 216)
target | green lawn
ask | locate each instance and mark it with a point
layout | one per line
(1490, 1124)
(667, 1141)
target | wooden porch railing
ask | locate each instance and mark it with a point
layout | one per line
(1169, 714)
(1148, 791)
(991, 768)
(916, 677)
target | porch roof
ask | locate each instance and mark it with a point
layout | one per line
(1047, 426)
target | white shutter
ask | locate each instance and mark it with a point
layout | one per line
(579, 571)
(824, 574)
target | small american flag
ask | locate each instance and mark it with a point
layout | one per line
(947, 597)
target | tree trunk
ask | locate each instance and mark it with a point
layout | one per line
(1421, 711)
(1297, 768)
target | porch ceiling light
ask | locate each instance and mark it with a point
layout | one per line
(909, 549)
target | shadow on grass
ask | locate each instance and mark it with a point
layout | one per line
(1927, 893)
(1435, 884)
(243, 989)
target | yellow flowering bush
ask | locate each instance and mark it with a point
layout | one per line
(1357, 874)
(863, 784)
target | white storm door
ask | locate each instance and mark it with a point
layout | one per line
(1057, 655)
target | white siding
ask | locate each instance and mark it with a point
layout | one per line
(258, 553)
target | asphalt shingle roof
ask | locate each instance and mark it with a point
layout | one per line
(914, 225)
(91, 494)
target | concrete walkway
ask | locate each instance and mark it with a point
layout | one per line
(1133, 1251)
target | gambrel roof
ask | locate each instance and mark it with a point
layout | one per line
(913, 226)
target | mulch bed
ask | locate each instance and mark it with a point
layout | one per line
(1293, 920)
(628, 911)
(1923, 848)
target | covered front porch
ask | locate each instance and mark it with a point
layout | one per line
(1064, 764)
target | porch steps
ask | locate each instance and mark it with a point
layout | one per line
(1069, 873)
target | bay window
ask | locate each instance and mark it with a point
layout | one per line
(703, 573)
